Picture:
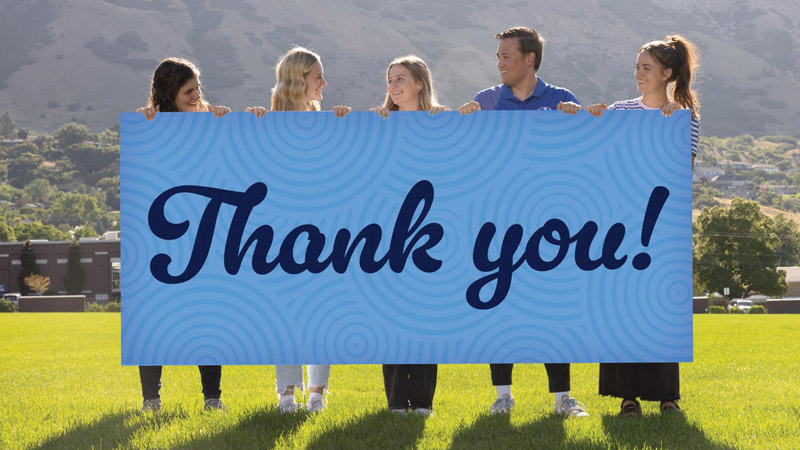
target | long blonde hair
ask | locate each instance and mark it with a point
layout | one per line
(422, 75)
(289, 93)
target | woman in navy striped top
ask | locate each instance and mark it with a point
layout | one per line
(662, 64)
(659, 66)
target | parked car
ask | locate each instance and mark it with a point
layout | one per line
(13, 297)
(740, 303)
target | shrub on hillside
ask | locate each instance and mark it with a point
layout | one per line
(716, 310)
(95, 307)
(6, 306)
(736, 310)
(758, 309)
(113, 307)
(780, 139)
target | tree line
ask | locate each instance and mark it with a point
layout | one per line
(58, 186)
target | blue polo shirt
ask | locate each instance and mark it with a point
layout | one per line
(544, 97)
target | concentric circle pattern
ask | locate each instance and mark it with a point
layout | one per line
(513, 169)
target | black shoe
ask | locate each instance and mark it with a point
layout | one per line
(672, 408)
(631, 409)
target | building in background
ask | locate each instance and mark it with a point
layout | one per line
(792, 280)
(733, 185)
(99, 257)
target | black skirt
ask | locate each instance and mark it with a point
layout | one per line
(410, 385)
(660, 382)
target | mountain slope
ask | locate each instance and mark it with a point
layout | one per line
(90, 60)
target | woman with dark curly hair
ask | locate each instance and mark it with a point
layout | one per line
(175, 87)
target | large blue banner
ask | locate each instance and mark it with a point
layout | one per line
(493, 237)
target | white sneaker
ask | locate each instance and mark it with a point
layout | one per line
(568, 406)
(398, 411)
(289, 406)
(315, 405)
(502, 405)
(422, 411)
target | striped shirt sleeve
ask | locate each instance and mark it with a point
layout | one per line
(634, 104)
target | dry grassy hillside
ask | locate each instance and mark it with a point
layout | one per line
(90, 60)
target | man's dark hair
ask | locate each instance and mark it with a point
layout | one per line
(529, 41)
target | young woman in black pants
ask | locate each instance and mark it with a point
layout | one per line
(409, 88)
(175, 87)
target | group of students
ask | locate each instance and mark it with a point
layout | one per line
(663, 74)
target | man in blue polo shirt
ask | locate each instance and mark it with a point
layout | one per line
(519, 54)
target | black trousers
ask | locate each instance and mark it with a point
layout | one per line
(557, 374)
(660, 382)
(150, 377)
(410, 385)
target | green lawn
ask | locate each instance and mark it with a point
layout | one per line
(62, 387)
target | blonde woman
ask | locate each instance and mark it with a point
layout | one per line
(299, 83)
(409, 87)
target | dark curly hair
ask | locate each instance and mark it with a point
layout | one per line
(169, 76)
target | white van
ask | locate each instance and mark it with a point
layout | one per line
(740, 303)
(13, 297)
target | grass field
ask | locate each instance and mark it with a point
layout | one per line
(62, 387)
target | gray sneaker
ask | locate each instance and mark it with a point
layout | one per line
(151, 405)
(315, 405)
(502, 405)
(214, 404)
(290, 406)
(399, 411)
(568, 406)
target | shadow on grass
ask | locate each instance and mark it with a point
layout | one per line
(492, 432)
(671, 431)
(654, 431)
(257, 429)
(379, 430)
(109, 431)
